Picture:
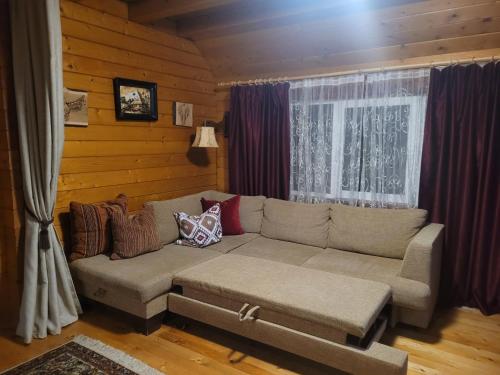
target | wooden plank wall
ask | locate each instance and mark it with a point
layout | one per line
(10, 190)
(146, 161)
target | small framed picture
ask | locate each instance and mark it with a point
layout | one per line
(75, 108)
(135, 100)
(183, 114)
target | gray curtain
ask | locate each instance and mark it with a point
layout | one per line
(49, 300)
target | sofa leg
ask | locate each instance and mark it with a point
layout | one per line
(177, 321)
(85, 303)
(148, 326)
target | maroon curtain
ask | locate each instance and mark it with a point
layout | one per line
(460, 181)
(259, 140)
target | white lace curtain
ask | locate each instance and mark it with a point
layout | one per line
(357, 139)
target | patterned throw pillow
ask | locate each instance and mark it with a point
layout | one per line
(136, 235)
(200, 231)
(91, 227)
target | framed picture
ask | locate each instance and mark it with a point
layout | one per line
(75, 108)
(183, 114)
(135, 100)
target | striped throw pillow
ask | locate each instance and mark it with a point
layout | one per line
(91, 227)
(135, 235)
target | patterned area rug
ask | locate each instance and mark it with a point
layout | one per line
(83, 355)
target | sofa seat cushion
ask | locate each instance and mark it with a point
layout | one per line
(375, 231)
(229, 243)
(142, 278)
(296, 222)
(279, 251)
(343, 303)
(406, 293)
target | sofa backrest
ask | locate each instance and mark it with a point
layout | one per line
(251, 210)
(296, 222)
(168, 229)
(374, 231)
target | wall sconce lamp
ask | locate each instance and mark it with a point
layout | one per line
(205, 135)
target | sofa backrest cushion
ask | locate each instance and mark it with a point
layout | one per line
(251, 209)
(296, 222)
(374, 231)
(168, 229)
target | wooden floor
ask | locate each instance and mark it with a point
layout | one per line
(459, 341)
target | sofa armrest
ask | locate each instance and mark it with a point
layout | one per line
(422, 261)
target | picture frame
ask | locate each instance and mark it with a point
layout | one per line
(75, 108)
(135, 100)
(183, 114)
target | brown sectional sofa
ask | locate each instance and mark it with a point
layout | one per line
(394, 249)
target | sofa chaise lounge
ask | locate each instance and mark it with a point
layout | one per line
(344, 272)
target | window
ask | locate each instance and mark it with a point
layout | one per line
(358, 139)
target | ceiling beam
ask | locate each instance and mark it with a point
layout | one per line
(147, 11)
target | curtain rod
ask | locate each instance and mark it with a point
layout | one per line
(260, 81)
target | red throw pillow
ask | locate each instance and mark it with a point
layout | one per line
(230, 215)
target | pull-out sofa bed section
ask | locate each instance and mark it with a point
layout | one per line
(326, 317)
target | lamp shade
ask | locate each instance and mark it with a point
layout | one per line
(205, 137)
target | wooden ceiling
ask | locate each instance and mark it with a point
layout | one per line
(244, 39)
